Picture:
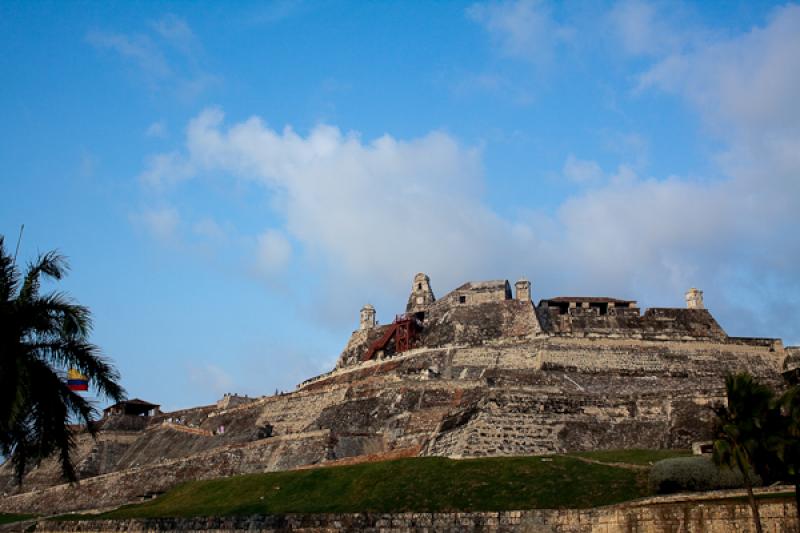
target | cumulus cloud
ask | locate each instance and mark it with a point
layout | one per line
(375, 211)
(346, 198)
(209, 229)
(157, 129)
(273, 252)
(522, 28)
(732, 233)
(647, 28)
(161, 223)
(581, 171)
(379, 210)
(165, 169)
(744, 86)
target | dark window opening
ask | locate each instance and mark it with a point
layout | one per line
(563, 308)
(419, 286)
(462, 299)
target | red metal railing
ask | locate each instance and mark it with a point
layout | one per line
(404, 332)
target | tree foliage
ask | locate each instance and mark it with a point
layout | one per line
(740, 430)
(759, 431)
(41, 336)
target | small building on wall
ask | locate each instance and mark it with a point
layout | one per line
(135, 407)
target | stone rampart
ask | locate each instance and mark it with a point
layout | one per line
(685, 514)
(137, 483)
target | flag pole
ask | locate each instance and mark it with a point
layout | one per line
(19, 239)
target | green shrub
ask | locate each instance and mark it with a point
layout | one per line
(697, 473)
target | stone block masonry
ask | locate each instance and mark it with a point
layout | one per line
(684, 514)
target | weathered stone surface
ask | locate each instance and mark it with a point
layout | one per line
(693, 514)
(489, 376)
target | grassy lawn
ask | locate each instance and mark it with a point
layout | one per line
(9, 518)
(423, 484)
(635, 457)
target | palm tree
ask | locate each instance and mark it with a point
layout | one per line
(789, 449)
(740, 430)
(42, 335)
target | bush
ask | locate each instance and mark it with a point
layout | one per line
(699, 473)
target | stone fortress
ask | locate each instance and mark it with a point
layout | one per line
(480, 372)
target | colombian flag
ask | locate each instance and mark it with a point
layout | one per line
(76, 380)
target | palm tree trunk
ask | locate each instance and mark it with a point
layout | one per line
(753, 502)
(797, 502)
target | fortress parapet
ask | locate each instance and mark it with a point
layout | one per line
(479, 312)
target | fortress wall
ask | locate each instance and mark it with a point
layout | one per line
(685, 513)
(477, 292)
(655, 323)
(460, 324)
(164, 443)
(294, 412)
(698, 358)
(530, 422)
(135, 483)
(48, 473)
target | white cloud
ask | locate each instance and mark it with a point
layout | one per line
(177, 32)
(648, 28)
(273, 252)
(209, 229)
(375, 210)
(168, 57)
(157, 129)
(138, 48)
(747, 82)
(378, 211)
(161, 223)
(165, 169)
(522, 28)
(746, 88)
(581, 171)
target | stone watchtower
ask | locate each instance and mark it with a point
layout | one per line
(523, 287)
(421, 294)
(694, 299)
(367, 317)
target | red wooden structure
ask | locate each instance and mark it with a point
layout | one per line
(404, 332)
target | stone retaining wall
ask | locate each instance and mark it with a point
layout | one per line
(691, 514)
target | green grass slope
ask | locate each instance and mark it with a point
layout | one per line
(424, 484)
(10, 518)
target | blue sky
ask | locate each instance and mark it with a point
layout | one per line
(233, 181)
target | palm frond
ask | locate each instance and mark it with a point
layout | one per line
(87, 359)
(40, 337)
(51, 264)
(9, 275)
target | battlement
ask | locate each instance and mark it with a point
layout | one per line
(480, 312)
